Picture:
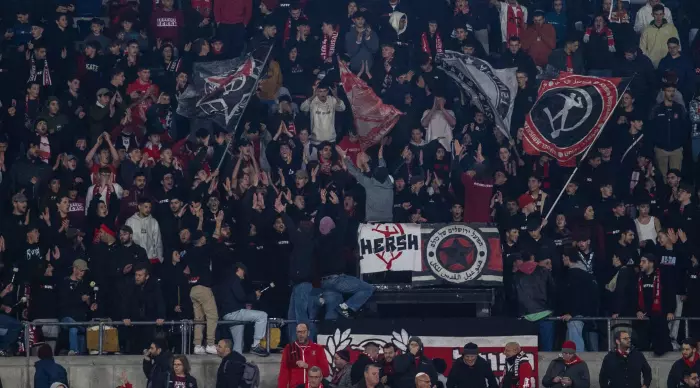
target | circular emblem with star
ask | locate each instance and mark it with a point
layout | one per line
(456, 253)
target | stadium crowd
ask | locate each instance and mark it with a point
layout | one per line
(116, 207)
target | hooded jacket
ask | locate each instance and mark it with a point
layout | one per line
(576, 370)
(312, 354)
(407, 366)
(147, 235)
(322, 116)
(230, 371)
(534, 287)
(157, 369)
(49, 372)
(654, 38)
(380, 193)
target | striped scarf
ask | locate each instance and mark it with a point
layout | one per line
(607, 32)
(328, 45)
(46, 74)
(426, 46)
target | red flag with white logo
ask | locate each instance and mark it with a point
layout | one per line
(373, 118)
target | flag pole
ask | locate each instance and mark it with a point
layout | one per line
(255, 87)
(551, 209)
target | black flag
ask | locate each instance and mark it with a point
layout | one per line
(220, 90)
(569, 114)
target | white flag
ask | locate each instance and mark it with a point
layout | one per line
(389, 247)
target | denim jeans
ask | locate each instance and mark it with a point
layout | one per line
(546, 337)
(301, 306)
(9, 331)
(586, 341)
(76, 336)
(245, 315)
(343, 284)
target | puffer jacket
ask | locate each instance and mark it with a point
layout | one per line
(147, 235)
(576, 370)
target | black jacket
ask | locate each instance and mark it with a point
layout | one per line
(624, 371)
(301, 261)
(144, 302)
(70, 293)
(406, 370)
(230, 295)
(675, 375)
(534, 290)
(577, 372)
(478, 376)
(157, 369)
(579, 293)
(358, 368)
(230, 371)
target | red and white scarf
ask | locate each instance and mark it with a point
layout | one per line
(515, 21)
(464, 10)
(328, 45)
(97, 191)
(426, 46)
(607, 32)
(656, 297)
(46, 74)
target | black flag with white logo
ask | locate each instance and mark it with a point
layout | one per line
(569, 114)
(220, 90)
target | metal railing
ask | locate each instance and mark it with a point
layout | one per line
(186, 328)
(609, 321)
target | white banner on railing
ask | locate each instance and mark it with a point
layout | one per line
(389, 247)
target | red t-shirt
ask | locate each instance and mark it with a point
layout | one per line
(142, 107)
(350, 148)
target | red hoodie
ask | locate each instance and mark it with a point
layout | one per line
(312, 354)
(233, 11)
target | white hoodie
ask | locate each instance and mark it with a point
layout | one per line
(147, 235)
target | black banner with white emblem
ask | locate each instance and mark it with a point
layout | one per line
(220, 90)
(459, 255)
(491, 90)
(569, 114)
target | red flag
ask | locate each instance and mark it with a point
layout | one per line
(569, 114)
(373, 118)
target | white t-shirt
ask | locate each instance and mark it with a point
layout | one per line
(439, 128)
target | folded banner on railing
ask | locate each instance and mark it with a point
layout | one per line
(462, 255)
(442, 338)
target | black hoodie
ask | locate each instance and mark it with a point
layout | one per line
(479, 375)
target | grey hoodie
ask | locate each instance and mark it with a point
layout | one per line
(380, 195)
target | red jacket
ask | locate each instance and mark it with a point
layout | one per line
(292, 375)
(233, 11)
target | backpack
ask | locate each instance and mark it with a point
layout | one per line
(251, 376)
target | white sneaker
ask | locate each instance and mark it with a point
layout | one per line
(199, 350)
(211, 349)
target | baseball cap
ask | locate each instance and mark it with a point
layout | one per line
(103, 91)
(470, 349)
(80, 264)
(687, 187)
(525, 200)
